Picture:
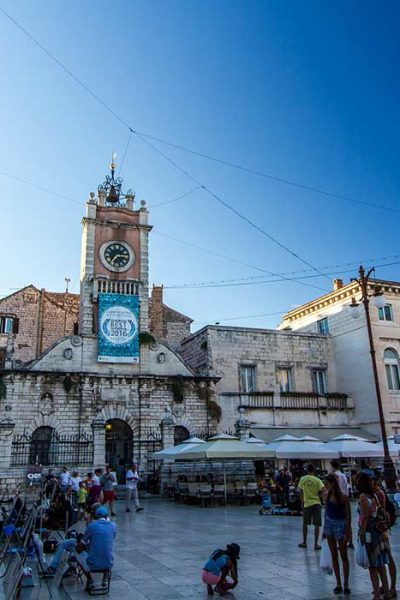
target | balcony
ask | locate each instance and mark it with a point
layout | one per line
(293, 401)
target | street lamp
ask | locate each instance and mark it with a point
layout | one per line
(378, 301)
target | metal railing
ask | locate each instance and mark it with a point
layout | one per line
(293, 401)
(54, 450)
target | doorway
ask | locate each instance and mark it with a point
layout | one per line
(119, 444)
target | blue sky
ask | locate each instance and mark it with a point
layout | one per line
(306, 91)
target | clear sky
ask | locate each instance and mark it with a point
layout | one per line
(306, 91)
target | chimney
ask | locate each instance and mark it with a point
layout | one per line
(337, 284)
(156, 312)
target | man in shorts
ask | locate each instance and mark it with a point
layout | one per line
(311, 493)
(107, 483)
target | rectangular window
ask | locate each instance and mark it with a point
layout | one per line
(6, 324)
(323, 326)
(247, 379)
(385, 313)
(393, 377)
(284, 379)
(319, 381)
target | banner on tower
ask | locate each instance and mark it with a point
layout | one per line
(118, 328)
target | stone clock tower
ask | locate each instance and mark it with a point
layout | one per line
(114, 254)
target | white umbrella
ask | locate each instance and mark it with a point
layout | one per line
(225, 446)
(394, 449)
(354, 447)
(174, 451)
(254, 440)
(305, 448)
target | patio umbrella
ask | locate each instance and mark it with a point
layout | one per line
(174, 451)
(225, 446)
(351, 446)
(305, 448)
(394, 449)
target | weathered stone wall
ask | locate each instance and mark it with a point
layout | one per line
(224, 349)
(36, 399)
(221, 351)
(44, 317)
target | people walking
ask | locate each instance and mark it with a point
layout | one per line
(132, 480)
(311, 491)
(107, 484)
(370, 505)
(336, 530)
(391, 510)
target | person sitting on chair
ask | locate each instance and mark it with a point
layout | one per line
(95, 550)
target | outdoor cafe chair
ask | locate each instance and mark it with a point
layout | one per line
(205, 495)
(219, 493)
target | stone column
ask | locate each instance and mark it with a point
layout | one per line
(99, 442)
(167, 430)
(6, 437)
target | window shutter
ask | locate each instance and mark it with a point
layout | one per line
(15, 325)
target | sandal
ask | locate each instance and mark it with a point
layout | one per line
(303, 545)
(346, 591)
(317, 547)
(338, 590)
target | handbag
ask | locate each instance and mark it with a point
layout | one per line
(362, 555)
(326, 558)
(382, 522)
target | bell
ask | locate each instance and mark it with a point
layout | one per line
(112, 197)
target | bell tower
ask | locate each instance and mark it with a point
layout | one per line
(114, 263)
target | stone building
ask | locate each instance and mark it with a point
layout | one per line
(273, 382)
(101, 387)
(332, 316)
(31, 320)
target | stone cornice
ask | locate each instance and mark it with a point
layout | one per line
(116, 224)
(336, 296)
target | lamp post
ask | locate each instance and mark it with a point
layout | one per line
(379, 301)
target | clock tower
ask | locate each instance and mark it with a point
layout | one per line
(114, 267)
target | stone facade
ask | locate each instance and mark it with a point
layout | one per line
(350, 347)
(58, 403)
(41, 317)
(166, 324)
(265, 355)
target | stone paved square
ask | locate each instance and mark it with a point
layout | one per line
(159, 554)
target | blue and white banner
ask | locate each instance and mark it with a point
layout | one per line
(118, 331)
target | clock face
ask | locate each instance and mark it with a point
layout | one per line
(116, 256)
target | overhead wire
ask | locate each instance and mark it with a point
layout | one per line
(282, 180)
(229, 206)
(166, 157)
(125, 153)
(271, 273)
(265, 281)
(39, 187)
(175, 199)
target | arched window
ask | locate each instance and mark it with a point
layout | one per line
(181, 434)
(391, 360)
(40, 447)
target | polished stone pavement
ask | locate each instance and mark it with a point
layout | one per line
(159, 553)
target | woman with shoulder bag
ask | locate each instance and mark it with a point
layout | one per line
(337, 528)
(372, 523)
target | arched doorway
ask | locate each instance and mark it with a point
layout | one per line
(40, 446)
(181, 434)
(119, 444)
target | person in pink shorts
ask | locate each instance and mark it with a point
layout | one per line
(220, 564)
